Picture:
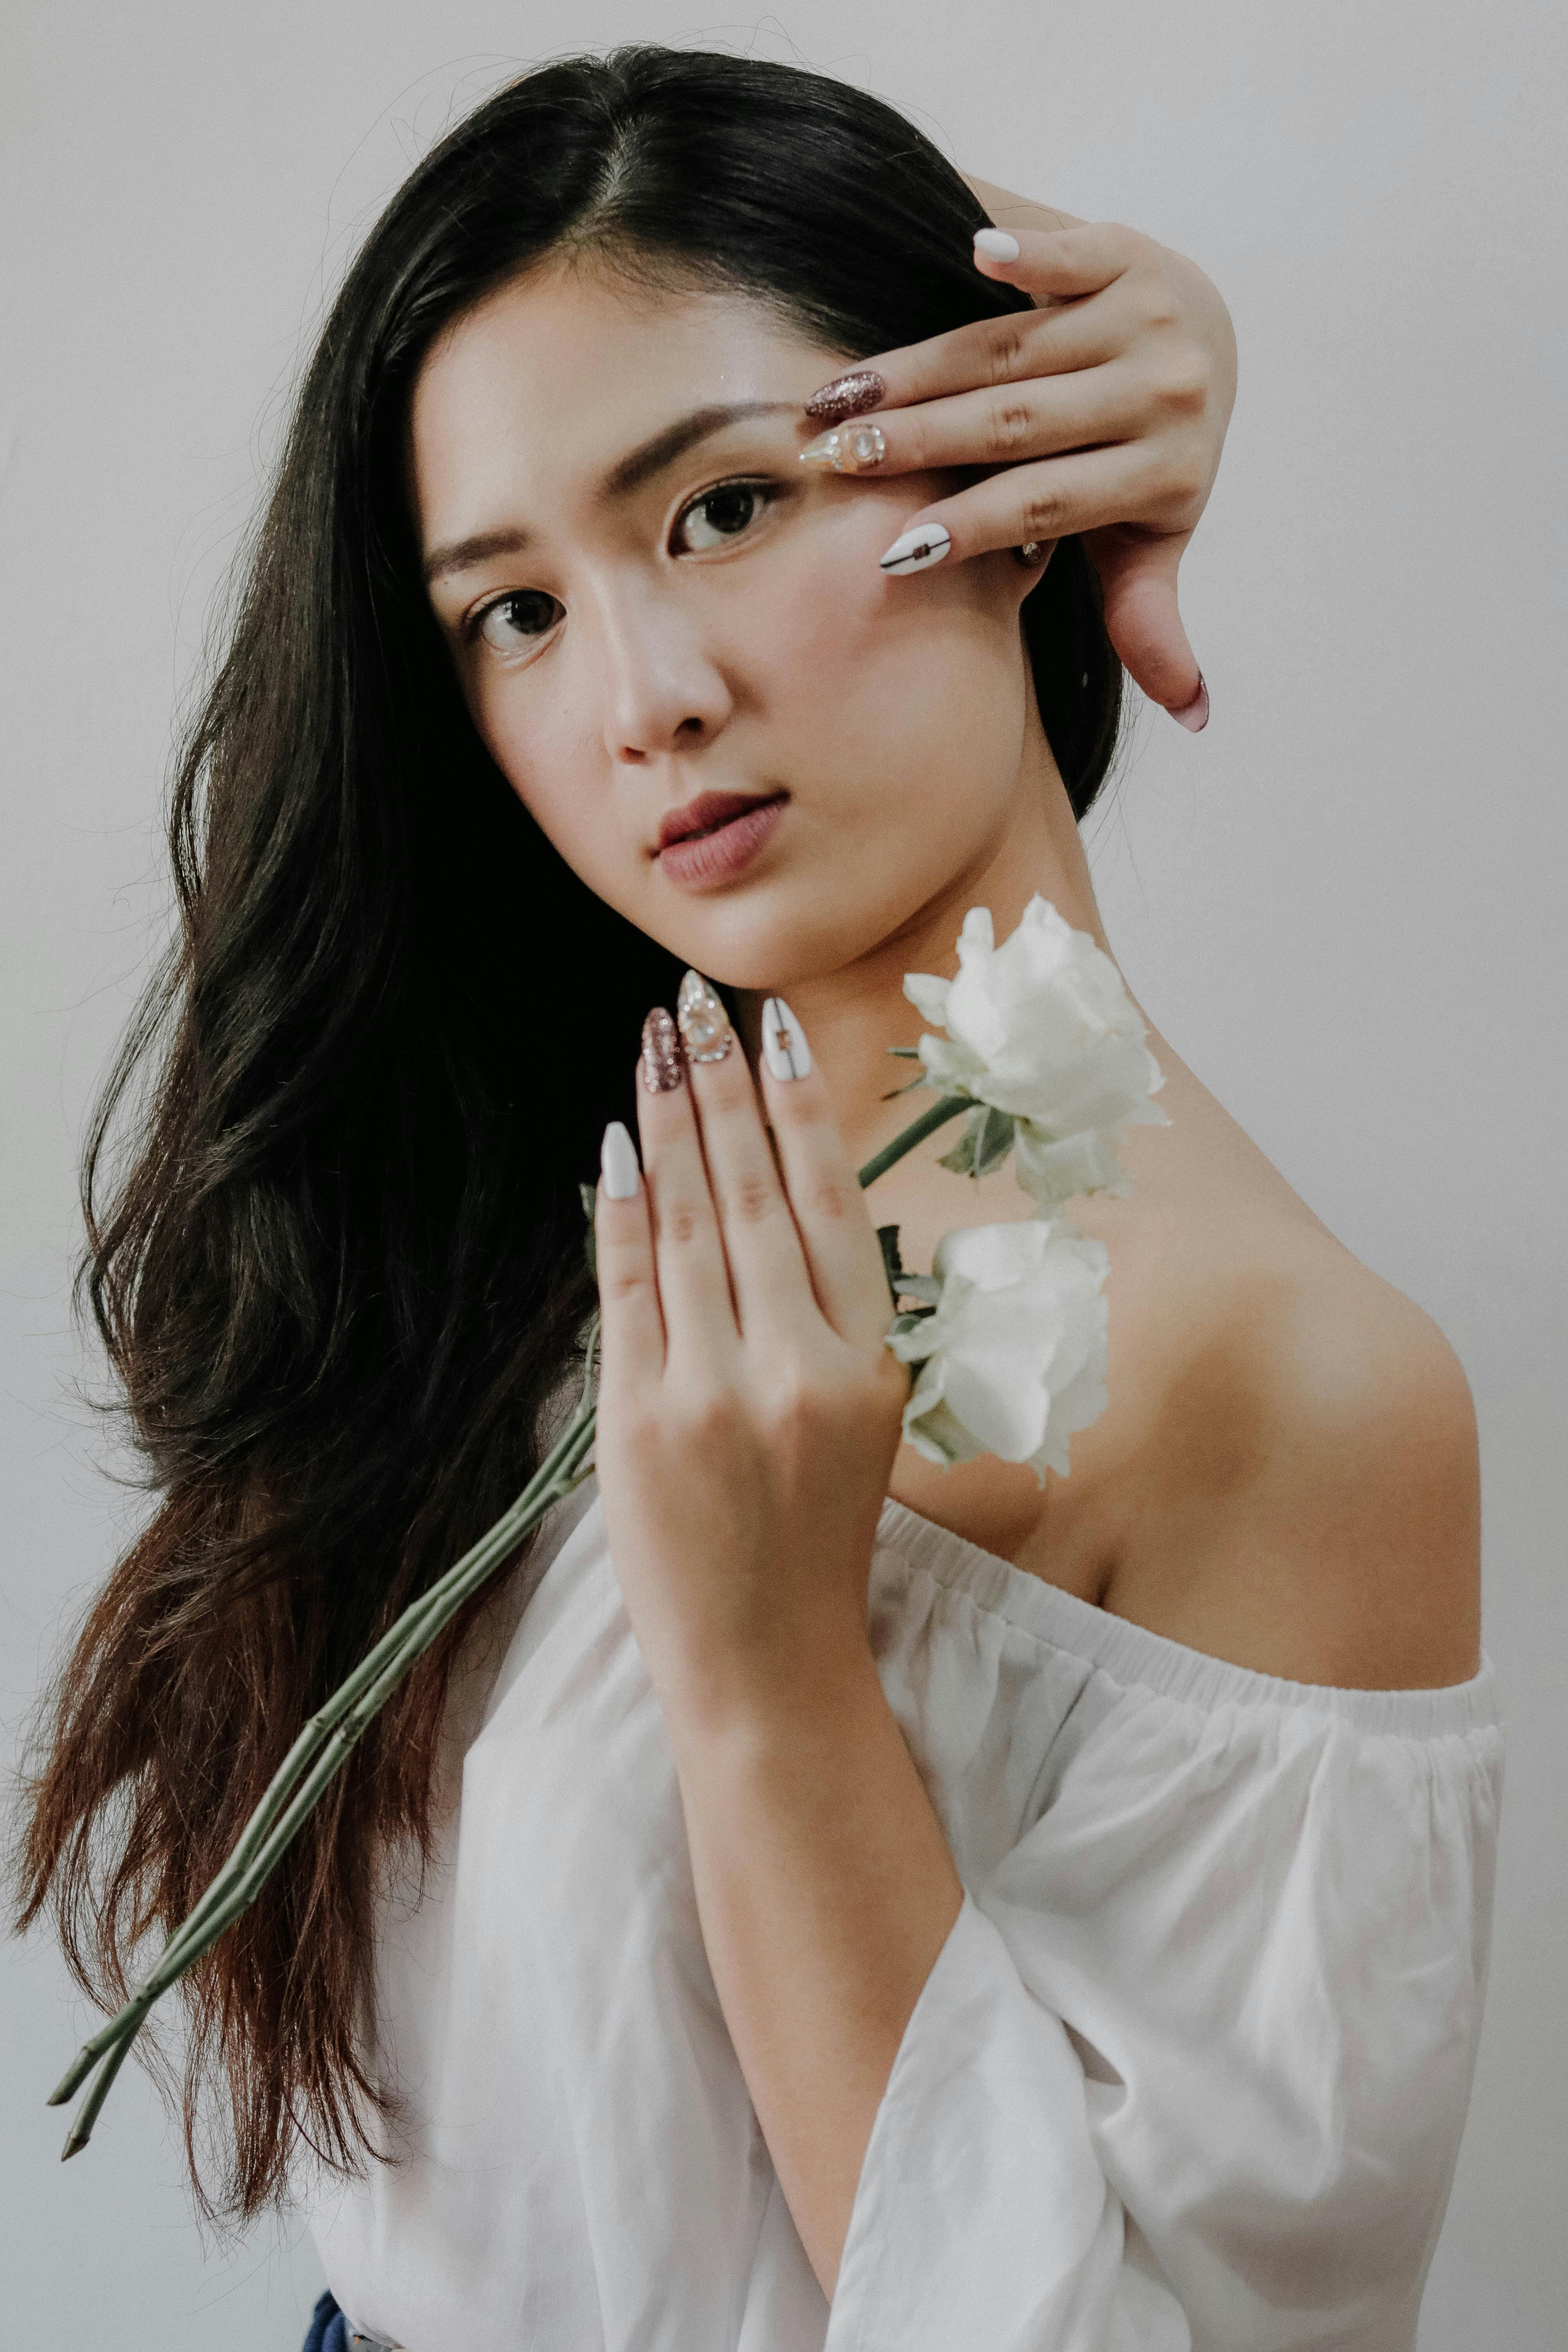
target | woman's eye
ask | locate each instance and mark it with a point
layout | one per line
(719, 515)
(518, 620)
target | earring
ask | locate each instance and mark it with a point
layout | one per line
(1028, 553)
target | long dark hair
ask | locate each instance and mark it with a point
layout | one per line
(337, 1259)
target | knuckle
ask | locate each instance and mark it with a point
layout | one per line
(1182, 381)
(750, 1199)
(620, 1283)
(796, 1401)
(1045, 515)
(679, 1223)
(1129, 244)
(1161, 311)
(832, 1198)
(1007, 350)
(1010, 428)
(712, 1417)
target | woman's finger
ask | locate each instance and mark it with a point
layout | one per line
(689, 1251)
(988, 351)
(1059, 265)
(999, 426)
(1138, 584)
(1082, 490)
(831, 1212)
(767, 1264)
(631, 1323)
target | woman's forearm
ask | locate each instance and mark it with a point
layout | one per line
(826, 1892)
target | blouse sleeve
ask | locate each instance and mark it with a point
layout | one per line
(1192, 2064)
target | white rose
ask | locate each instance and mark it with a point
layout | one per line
(1041, 1029)
(1013, 1358)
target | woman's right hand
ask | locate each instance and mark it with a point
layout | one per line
(1103, 416)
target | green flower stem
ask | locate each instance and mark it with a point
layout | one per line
(947, 1106)
(334, 1729)
(328, 1739)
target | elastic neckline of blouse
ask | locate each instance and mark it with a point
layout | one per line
(1130, 1654)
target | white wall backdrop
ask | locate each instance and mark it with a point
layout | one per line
(1342, 902)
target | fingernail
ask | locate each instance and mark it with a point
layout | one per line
(705, 1030)
(846, 395)
(784, 1048)
(918, 549)
(997, 244)
(847, 449)
(1195, 717)
(618, 1163)
(663, 1064)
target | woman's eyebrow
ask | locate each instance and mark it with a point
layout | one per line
(627, 475)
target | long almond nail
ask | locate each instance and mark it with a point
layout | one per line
(847, 449)
(918, 549)
(663, 1064)
(846, 395)
(784, 1048)
(705, 1030)
(618, 1163)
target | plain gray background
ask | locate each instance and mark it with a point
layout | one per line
(1341, 903)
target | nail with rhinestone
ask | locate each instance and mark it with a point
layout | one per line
(705, 1028)
(784, 1048)
(846, 395)
(847, 449)
(663, 1063)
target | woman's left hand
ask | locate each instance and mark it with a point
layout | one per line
(1100, 414)
(748, 1412)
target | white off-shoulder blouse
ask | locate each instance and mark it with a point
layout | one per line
(1190, 2070)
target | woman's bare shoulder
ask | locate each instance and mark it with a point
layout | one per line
(1307, 1497)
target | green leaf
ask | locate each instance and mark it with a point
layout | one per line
(912, 1321)
(986, 1140)
(994, 1139)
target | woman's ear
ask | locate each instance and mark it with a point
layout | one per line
(1027, 566)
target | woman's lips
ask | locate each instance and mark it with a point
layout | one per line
(703, 860)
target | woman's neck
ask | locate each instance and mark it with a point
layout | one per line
(852, 1015)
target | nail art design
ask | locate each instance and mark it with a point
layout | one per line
(663, 1063)
(846, 395)
(705, 1028)
(918, 549)
(1195, 717)
(848, 449)
(618, 1163)
(784, 1048)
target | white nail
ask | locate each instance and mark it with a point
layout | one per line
(995, 243)
(918, 549)
(784, 1048)
(618, 1162)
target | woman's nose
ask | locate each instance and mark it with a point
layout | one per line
(664, 690)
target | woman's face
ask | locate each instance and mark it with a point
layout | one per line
(660, 617)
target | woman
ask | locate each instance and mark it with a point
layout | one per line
(1017, 1916)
